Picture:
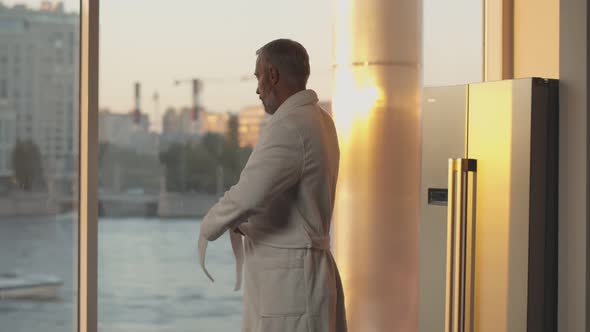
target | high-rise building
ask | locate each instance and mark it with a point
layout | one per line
(116, 127)
(179, 122)
(214, 122)
(121, 129)
(39, 81)
(176, 127)
(251, 121)
(7, 137)
(169, 121)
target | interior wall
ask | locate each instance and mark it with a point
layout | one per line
(536, 38)
(573, 166)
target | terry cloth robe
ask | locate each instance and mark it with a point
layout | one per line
(282, 204)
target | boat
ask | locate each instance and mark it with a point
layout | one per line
(33, 287)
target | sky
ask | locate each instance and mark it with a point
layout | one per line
(155, 42)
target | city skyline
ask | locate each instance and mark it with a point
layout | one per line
(124, 50)
(136, 46)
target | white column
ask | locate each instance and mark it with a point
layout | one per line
(376, 106)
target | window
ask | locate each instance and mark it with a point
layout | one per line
(38, 218)
(452, 39)
(148, 277)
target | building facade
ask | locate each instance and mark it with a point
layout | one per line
(121, 129)
(7, 138)
(39, 69)
(251, 121)
(214, 122)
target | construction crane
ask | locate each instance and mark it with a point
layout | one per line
(137, 108)
(196, 87)
(197, 84)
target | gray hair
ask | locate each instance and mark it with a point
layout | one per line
(289, 57)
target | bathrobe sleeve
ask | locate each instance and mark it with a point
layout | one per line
(274, 166)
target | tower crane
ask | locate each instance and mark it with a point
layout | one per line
(197, 85)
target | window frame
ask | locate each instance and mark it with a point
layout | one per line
(88, 168)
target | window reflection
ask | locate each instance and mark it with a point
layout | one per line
(38, 166)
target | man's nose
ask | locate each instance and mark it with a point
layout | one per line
(257, 91)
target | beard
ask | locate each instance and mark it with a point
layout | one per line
(270, 103)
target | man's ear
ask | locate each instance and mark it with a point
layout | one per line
(273, 74)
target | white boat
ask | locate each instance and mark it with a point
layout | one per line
(41, 287)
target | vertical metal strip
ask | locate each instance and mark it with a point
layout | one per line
(457, 256)
(483, 43)
(461, 239)
(449, 299)
(468, 169)
(461, 246)
(470, 252)
(467, 98)
(88, 167)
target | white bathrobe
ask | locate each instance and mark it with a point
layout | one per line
(283, 205)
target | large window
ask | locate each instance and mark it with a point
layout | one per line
(179, 117)
(38, 165)
(453, 42)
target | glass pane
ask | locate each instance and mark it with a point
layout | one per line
(168, 153)
(39, 70)
(453, 42)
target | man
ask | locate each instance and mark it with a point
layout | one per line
(281, 207)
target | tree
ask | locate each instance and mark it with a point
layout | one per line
(232, 136)
(122, 168)
(191, 167)
(197, 167)
(231, 158)
(173, 161)
(26, 165)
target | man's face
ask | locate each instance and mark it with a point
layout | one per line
(265, 90)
